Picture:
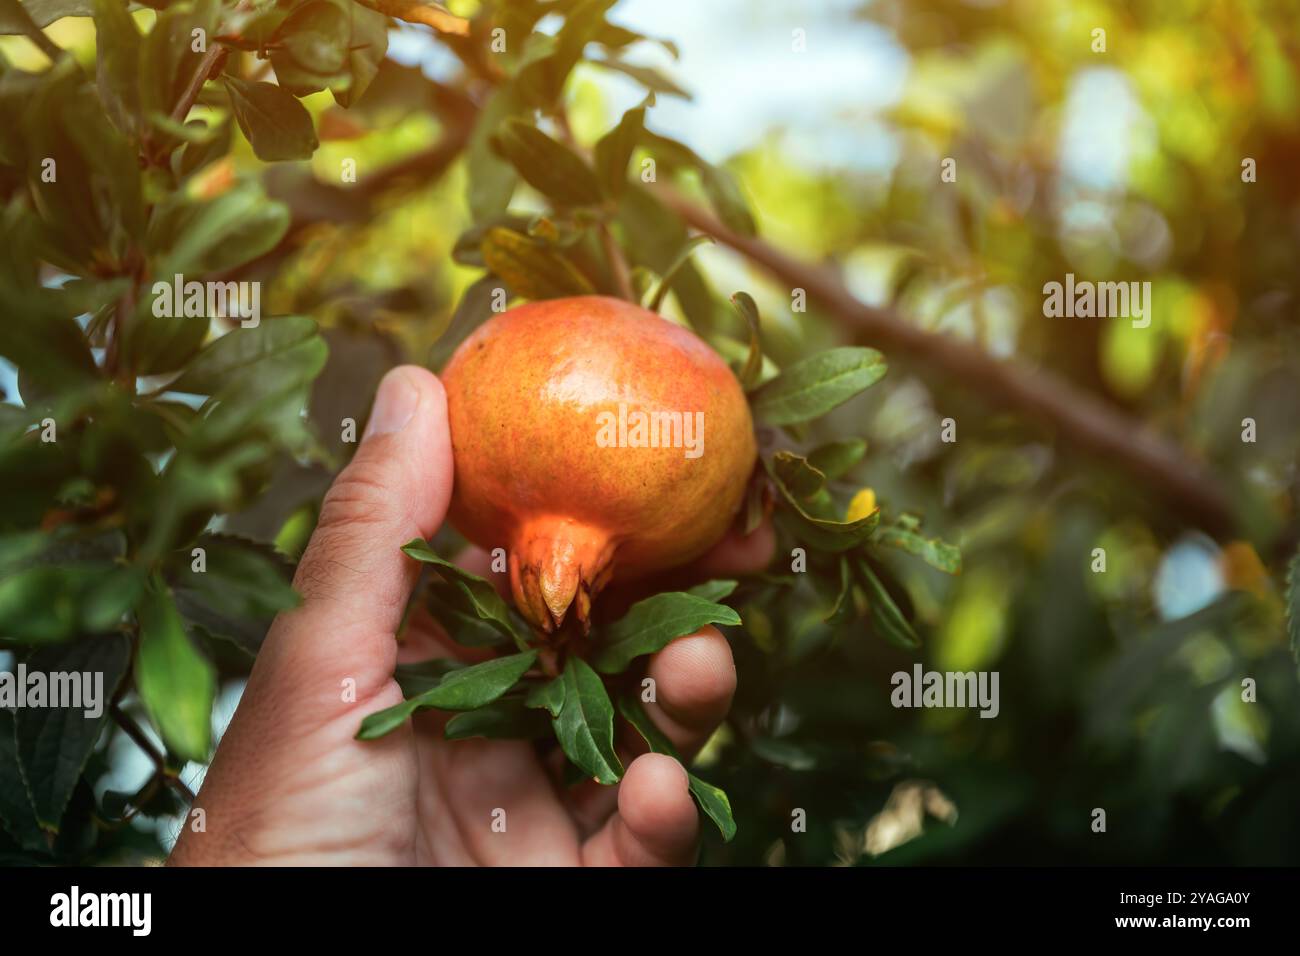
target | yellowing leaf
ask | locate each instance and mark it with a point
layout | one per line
(531, 269)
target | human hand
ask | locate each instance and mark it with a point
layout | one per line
(290, 784)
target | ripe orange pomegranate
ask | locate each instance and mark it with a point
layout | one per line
(595, 441)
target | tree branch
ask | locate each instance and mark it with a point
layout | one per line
(1079, 418)
(212, 62)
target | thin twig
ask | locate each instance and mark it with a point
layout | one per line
(1081, 419)
(211, 63)
(132, 729)
(38, 37)
(617, 264)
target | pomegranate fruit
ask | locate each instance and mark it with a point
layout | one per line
(595, 441)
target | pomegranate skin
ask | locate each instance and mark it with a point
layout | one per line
(544, 402)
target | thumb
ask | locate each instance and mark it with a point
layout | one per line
(354, 579)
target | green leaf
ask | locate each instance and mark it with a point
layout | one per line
(168, 61)
(794, 471)
(843, 603)
(175, 681)
(366, 50)
(752, 371)
(470, 687)
(938, 554)
(47, 603)
(712, 800)
(491, 179)
(415, 679)
(713, 591)
(547, 61)
(652, 624)
(551, 168)
(43, 13)
(203, 145)
(474, 309)
(276, 125)
(109, 601)
(506, 719)
(614, 150)
(465, 689)
(54, 743)
(783, 753)
(548, 696)
(585, 725)
(71, 226)
(17, 817)
(317, 35)
(451, 606)
(243, 586)
(886, 618)
(483, 598)
(16, 813)
(812, 387)
(243, 356)
(114, 159)
(530, 268)
(117, 63)
(329, 43)
(835, 458)
(157, 344)
(659, 239)
(727, 199)
(649, 77)
(665, 284)
(191, 238)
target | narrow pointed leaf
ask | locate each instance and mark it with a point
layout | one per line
(585, 725)
(550, 167)
(885, 615)
(481, 596)
(175, 680)
(812, 387)
(548, 697)
(938, 554)
(506, 719)
(714, 591)
(752, 371)
(712, 800)
(464, 689)
(652, 624)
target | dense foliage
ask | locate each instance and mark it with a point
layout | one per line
(161, 468)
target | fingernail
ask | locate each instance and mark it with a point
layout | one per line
(395, 403)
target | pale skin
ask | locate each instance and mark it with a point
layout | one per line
(290, 784)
